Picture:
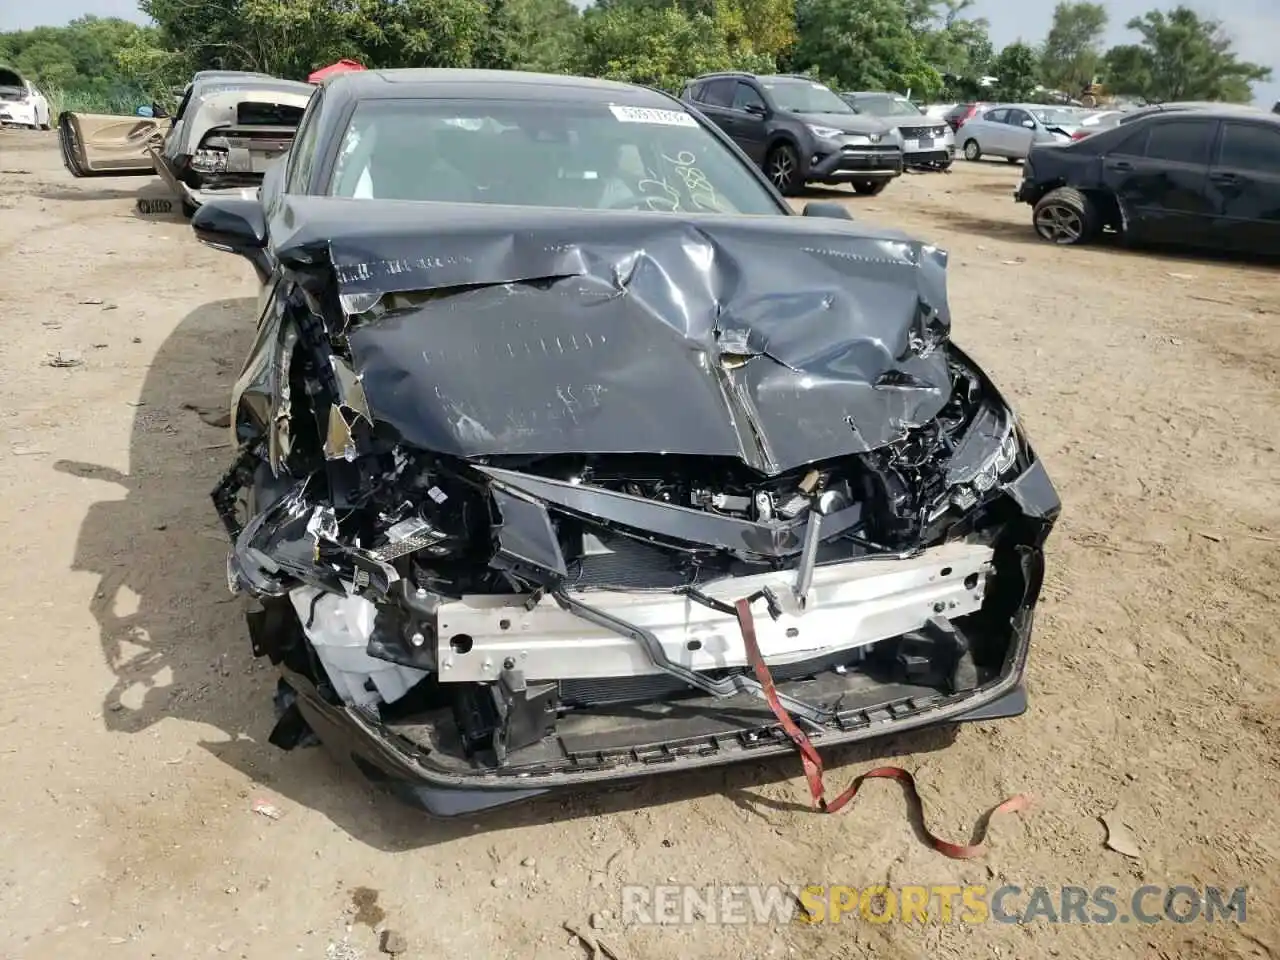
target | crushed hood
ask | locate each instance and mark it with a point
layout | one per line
(780, 341)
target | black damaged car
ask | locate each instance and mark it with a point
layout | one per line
(563, 439)
(1194, 177)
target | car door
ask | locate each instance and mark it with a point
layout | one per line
(1017, 136)
(989, 130)
(715, 100)
(749, 119)
(1159, 175)
(1244, 187)
(109, 145)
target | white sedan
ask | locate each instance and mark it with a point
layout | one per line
(21, 104)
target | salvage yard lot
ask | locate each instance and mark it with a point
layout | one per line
(133, 719)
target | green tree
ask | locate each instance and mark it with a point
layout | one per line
(657, 47)
(1015, 69)
(1180, 57)
(1072, 50)
(547, 34)
(290, 38)
(46, 63)
(78, 58)
(863, 45)
(751, 29)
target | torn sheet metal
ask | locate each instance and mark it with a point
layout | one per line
(776, 340)
(262, 398)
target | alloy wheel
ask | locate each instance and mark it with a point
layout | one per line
(782, 169)
(1059, 223)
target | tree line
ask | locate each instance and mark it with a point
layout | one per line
(931, 48)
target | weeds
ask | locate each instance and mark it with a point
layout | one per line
(78, 101)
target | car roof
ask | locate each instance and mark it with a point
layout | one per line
(462, 84)
(219, 81)
(746, 74)
(1215, 111)
(873, 93)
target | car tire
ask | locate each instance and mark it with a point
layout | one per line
(782, 167)
(869, 188)
(972, 151)
(1065, 217)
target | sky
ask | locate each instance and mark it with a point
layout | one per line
(1254, 24)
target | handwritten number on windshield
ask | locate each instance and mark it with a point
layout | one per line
(701, 193)
(659, 195)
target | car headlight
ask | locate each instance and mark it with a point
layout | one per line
(828, 133)
(986, 454)
(209, 161)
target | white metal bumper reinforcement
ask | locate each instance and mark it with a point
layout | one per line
(849, 605)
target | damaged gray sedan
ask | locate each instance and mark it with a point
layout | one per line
(564, 443)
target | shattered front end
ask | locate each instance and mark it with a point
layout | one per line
(497, 507)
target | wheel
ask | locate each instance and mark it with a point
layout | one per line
(972, 151)
(1065, 216)
(869, 188)
(782, 166)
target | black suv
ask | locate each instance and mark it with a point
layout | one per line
(798, 130)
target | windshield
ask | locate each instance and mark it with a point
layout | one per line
(1057, 117)
(804, 96)
(592, 156)
(886, 106)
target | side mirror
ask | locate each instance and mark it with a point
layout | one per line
(755, 109)
(232, 225)
(827, 208)
(145, 111)
(1029, 124)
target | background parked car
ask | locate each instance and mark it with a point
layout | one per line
(959, 114)
(1097, 120)
(1010, 130)
(798, 130)
(926, 141)
(1198, 178)
(21, 104)
(227, 129)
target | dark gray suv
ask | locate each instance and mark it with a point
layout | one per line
(798, 130)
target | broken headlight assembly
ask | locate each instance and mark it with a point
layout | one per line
(988, 452)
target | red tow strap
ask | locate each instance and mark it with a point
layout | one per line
(813, 763)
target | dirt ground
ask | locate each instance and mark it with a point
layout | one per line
(133, 720)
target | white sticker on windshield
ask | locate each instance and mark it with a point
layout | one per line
(666, 118)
